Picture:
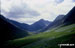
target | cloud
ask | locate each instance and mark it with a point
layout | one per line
(59, 1)
(30, 11)
(21, 11)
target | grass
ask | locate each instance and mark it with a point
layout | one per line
(70, 38)
(45, 39)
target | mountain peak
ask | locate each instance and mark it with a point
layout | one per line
(59, 17)
(41, 20)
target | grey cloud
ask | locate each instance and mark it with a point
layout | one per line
(59, 1)
(21, 12)
(3, 11)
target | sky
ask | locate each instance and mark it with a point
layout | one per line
(30, 11)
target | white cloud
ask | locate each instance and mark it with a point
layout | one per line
(48, 9)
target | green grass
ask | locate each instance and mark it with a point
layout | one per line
(45, 39)
(66, 39)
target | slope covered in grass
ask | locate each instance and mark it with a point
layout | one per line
(53, 43)
(46, 39)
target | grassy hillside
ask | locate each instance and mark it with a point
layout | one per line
(51, 39)
(52, 43)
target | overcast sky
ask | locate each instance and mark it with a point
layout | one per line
(30, 11)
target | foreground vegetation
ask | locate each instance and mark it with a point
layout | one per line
(65, 34)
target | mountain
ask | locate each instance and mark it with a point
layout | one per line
(58, 21)
(37, 26)
(59, 17)
(67, 19)
(8, 31)
(51, 39)
(22, 26)
(70, 17)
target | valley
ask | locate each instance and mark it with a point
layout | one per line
(41, 34)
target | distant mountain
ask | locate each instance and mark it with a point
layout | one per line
(22, 26)
(59, 17)
(58, 21)
(62, 20)
(9, 31)
(37, 26)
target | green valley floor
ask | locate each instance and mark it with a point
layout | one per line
(51, 39)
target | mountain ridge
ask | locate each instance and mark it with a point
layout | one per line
(10, 31)
(35, 27)
(67, 19)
